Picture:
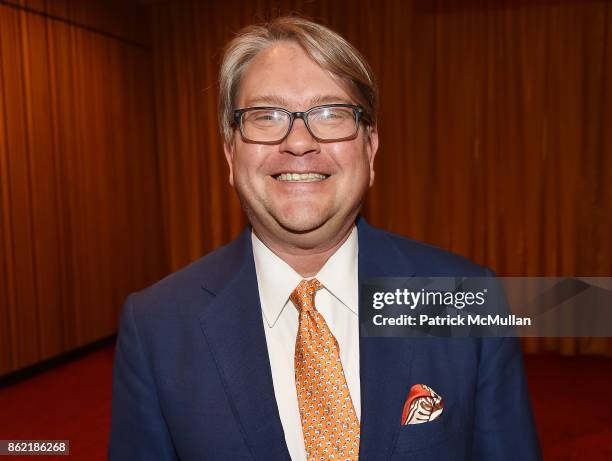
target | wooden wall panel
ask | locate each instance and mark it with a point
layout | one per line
(495, 126)
(125, 20)
(496, 142)
(80, 224)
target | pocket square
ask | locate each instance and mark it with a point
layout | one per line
(422, 405)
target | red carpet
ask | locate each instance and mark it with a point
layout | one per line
(571, 399)
(70, 402)
(572, 403)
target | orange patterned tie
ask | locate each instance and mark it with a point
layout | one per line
(329, 421)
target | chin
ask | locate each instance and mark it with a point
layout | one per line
(301, 222)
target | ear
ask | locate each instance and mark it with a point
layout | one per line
(371, 148)
(228, 150)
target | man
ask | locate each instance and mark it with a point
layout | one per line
(253, 352)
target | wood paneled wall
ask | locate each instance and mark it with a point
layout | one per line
(496, 143)
(496, 126)
(80, 224)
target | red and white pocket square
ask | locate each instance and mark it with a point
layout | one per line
(422, 405)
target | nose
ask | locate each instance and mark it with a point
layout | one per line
(299, 141)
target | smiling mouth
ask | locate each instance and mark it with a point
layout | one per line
(301, 177)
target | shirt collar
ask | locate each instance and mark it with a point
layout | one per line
(339, 273)
(277, 279)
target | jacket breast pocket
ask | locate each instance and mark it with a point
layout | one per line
(436, 439)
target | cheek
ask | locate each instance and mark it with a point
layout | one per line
(248, 163)
(354, 163)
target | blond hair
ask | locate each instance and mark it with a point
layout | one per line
(327, 48)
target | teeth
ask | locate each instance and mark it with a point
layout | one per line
(301, 177)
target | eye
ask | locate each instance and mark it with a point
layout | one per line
(330, 114)
(333, 115)
(265, 118)
(268, 116)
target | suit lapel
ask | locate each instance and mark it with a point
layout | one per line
(384, 362)
(233, 327)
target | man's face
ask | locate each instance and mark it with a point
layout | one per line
(284, 76)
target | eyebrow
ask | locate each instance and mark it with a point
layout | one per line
(276, 100)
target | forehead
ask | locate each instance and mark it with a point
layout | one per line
(283, 74)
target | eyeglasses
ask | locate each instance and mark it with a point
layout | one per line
(271, 125)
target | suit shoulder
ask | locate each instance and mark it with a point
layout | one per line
(186, 284)
(435, 261)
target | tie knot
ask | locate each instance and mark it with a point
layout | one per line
(304, 294)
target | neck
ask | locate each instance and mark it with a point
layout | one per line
(306, 260)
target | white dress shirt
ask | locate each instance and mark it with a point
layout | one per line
(337, 303)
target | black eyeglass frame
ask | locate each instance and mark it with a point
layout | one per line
(358, 111)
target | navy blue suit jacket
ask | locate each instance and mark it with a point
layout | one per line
(192, 377)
